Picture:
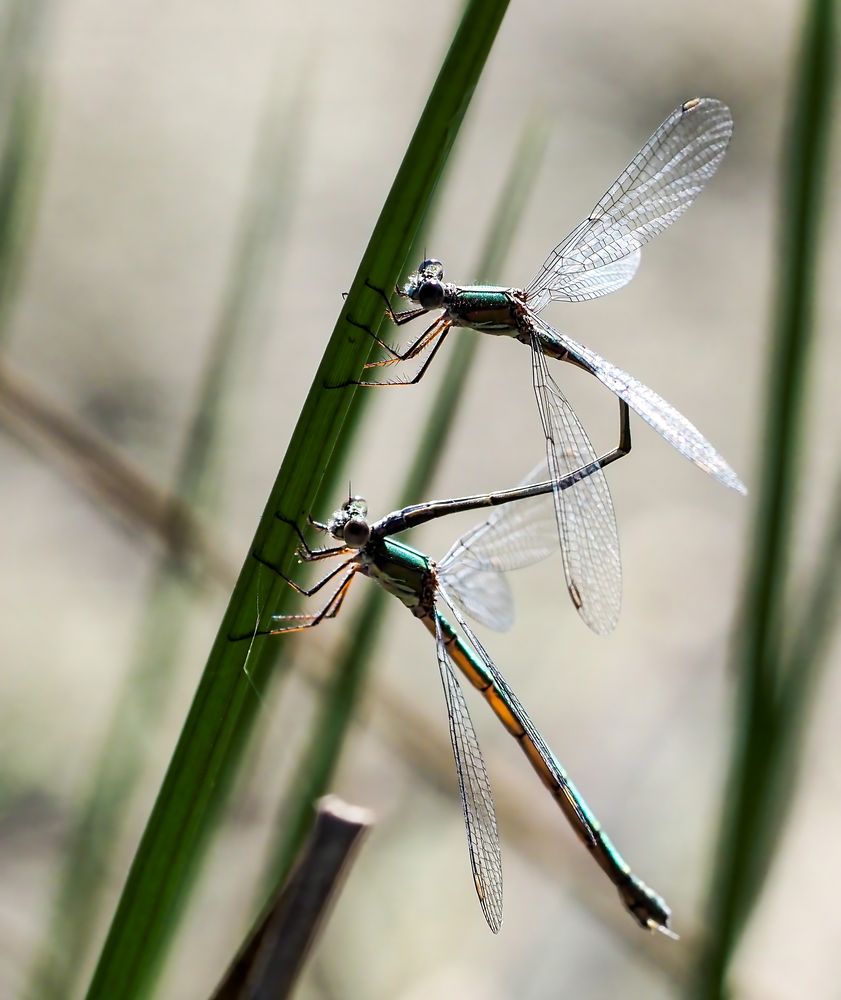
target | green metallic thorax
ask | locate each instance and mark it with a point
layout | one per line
(501, 311)
(410, 576)
(402, 571)
(483, 307)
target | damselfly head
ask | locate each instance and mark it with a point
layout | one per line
(349, 524)
(425, 286)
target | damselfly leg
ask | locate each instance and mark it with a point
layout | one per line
(297, 622)
(404, 315)
(330, 609)
(303, 591)
(304, 552)
(436, 333)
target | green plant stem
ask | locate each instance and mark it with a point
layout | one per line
(227, 700)
(763, 615)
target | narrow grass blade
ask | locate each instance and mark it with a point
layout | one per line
(226, 703)
(762, 624)
(261, 247)
(339, 702)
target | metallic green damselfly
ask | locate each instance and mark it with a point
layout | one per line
(470, 580)
(599, 256)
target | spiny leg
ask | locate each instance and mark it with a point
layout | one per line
(440, 335)
(297, 587)
(306, 554)
(397, 318)
(374, 336)
(415, 348)
(330, 610)
(412, 351)
(304, 550)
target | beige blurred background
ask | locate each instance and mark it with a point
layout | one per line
(152, 116)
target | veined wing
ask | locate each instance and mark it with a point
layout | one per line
(656, 187)
(475, 788)
(580, 284)
(662, 416)
(561, 787)
(646, 907)
(515, 535)
(584, 511)
(481, 593)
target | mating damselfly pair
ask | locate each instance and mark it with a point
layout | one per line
(566, 497)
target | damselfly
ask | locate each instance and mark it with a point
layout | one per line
(470, 580)
(599, 256)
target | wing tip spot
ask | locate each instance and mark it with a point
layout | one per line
(691, 104)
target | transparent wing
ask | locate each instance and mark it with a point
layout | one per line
(475, 788)
(562, 789)
(515, 535)
(481, 593)
(656, 187)
(580, 285)
(584, 511)
(662, 416)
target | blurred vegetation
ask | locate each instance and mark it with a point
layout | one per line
(180, 572)
(22, 28)
(775, 679)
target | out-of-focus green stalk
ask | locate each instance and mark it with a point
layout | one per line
(227, 701)
(329, 730)
(802, 663)
(817, 621)
(758, 659)
(94, 837)
(19, 173)
(21, 153)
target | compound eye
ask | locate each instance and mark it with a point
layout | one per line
(357, 532)
(359, 506)
(432, 269)
(431, 295)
